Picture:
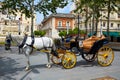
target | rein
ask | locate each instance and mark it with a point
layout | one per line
(23, 42)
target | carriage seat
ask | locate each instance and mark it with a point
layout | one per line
(68, 41)
(88, 43)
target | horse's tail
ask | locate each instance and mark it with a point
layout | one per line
(53, 51)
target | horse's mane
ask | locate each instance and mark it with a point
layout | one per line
(19, 38)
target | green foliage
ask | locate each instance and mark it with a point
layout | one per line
(71, 32)
(82, 32)
(27, 6)
(62, 33)
(75, 31)
(39, 33)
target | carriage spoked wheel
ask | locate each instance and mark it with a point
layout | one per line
(89, 57)
(69, 60)
(105, 56)
(56, 60)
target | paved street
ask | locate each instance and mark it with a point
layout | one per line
(12, 67)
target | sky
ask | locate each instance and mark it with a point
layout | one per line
(70, 6)
(66, 9)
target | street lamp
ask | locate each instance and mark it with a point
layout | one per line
(78, 25)
(19, 26)
(67, 28)
(101, 26)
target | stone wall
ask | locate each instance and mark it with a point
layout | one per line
(2, 39)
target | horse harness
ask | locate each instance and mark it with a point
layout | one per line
(24, 40)
(33, 40)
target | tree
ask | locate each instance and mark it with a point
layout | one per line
(111, 6)
(63, 34)
(39, 33)
(29, 7)
(91, 8)
(95, 7)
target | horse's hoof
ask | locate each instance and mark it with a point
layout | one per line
(48, 65)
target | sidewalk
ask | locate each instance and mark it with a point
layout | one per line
(114, 45)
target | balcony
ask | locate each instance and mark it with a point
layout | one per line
(63, 27)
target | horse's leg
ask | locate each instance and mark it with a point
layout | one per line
(27, 52)
(48, 58)
(19, 50)
(28, 63)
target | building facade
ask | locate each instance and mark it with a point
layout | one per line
(114, 25)
(55, 23)
(15, 24)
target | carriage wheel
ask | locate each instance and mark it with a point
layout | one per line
(89, 57)
(56, 60)
(105, 56)
(69, 60)
(75, 50)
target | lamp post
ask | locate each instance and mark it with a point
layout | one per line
(19, 26)
(32, 17)
(67, 28)
(101, 25)
(78, 25)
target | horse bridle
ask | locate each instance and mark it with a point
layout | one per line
(10, 37)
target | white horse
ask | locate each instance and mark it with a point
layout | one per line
(30, 43)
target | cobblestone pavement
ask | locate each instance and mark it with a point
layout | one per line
(12, 67)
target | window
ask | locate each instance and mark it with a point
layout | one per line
(27, 29)
(67, 23)
(5, 22)
(111, 24)
(104, 12)
(118, 26)
(59, 23)
(104, 24)
(90, 25)
(119, 15)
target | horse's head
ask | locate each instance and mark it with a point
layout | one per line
(8, 40)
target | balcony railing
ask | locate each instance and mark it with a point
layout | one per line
(63, 27)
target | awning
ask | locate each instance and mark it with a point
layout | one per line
(91, 34)
(114, 34)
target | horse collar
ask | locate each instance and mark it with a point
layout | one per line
(23, 42)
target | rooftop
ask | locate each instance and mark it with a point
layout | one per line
(60, 15)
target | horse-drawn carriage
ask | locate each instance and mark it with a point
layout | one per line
(90, 49)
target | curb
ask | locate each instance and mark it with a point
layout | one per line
(114, 45)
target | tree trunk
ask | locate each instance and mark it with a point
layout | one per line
(32, 17)
(86, 21)
(93, 24)
(97, 33)
(108, 20)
